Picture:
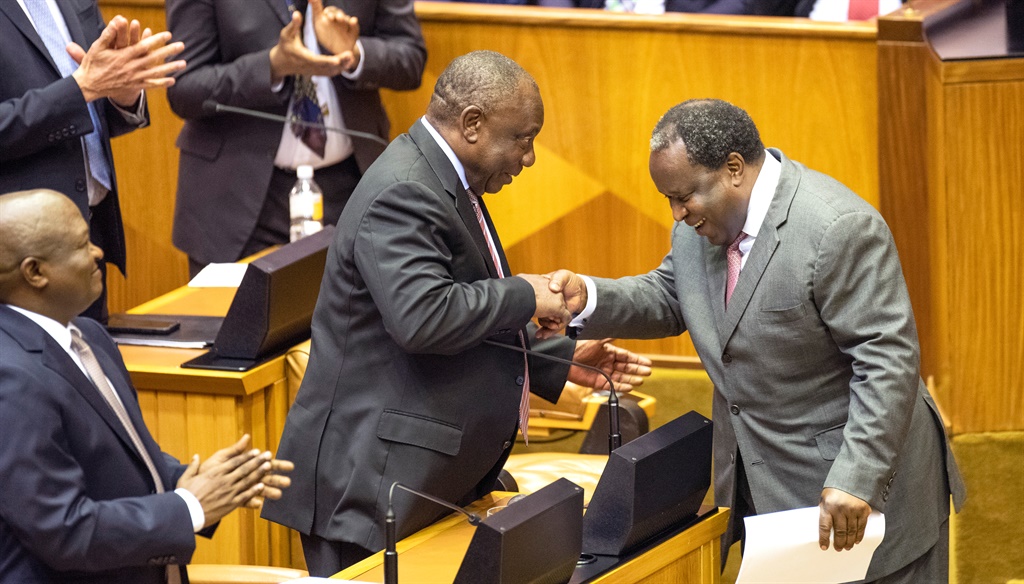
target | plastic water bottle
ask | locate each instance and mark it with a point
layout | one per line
(305, 204)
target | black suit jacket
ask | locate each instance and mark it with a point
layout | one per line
(43, 118)
(399, 386)
(78, 504)
(227, 160)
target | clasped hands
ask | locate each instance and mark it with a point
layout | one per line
(233, 477)
(336, 32)
(561, 294)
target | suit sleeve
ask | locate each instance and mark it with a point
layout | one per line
(863, 300)
(637, 307)
(46, 504)
(404, 251)
(242, 82)
(394, 53)
(39, 119)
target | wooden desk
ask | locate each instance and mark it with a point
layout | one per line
(433, 555)
(193, 411)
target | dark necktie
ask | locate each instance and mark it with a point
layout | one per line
(305, 104)
(524, 401)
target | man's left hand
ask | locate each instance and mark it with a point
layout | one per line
(842, 516)
(626, 368)
(337, 32)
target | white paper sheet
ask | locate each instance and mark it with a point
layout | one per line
(783, 548)
(219, 276)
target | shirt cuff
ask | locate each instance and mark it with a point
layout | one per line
(137, 117)
(359, 68)
(580, 320)
(194, 509)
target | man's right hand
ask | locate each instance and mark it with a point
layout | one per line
(550, 306)
(124, 61)
(290, 56)
(226, 482)
(571, 287)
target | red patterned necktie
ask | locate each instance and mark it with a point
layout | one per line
(734, 261)
(524, 401)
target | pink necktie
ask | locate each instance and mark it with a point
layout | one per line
(99, 379)
(734, 261)
(524, 401)
(862, 9)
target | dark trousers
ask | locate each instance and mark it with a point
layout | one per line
(325, 558)
(336, 181)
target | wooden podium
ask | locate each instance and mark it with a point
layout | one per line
(433, 555)
(191, 411)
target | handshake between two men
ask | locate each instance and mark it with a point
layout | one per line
(560, 296)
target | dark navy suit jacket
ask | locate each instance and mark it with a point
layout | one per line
(77, 502)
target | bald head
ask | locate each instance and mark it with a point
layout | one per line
(482, 78)
(47, 264)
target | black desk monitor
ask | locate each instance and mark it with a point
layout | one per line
(650, 485)
(536, 540)
(273, 307)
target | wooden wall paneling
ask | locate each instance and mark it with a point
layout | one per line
(985, 201)
(146, 163)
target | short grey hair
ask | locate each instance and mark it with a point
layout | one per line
(483, 78)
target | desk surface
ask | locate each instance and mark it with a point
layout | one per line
(159, 368)
(435, 553)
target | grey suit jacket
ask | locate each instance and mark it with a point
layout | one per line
(227, 160)
(43, 118)
(78, 502)
(399, 386)
(815, 362)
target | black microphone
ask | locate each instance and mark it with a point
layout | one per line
(211, 106)
(614, 437)
(391, 539)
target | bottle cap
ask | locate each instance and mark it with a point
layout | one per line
(304, 171)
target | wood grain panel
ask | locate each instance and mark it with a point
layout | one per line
(146, 162)
(985, 184)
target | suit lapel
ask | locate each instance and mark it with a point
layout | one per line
(452, 184)
(497, 242)
(760, 255)
(714, 268)
(20, 19)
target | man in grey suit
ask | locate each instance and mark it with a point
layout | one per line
(400, 384)
(328, 60)
(811, 344)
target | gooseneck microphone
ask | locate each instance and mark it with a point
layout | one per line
(390, 537)
(614, 437)
(211, 106)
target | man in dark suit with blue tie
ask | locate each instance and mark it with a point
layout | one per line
(69, 84)
(88, 496)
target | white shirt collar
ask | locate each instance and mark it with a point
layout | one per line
(762, 194)
(448, 152)
(59, 332)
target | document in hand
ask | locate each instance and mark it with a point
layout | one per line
(783, 547)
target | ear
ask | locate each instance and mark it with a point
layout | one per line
(470, 121)
(33, 271)
(736, 166)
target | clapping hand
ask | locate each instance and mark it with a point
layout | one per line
(337, 32)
